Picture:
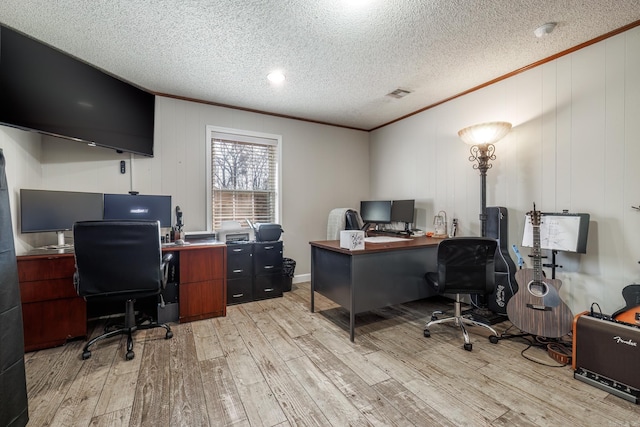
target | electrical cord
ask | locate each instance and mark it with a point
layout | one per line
(560, 348)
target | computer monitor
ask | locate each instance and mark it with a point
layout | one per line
(402, 211)
(56, 211)
(138, 206)
(378, 211)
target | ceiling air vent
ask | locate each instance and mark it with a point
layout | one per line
(399, 93)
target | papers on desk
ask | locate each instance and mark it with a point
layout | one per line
(384, 239)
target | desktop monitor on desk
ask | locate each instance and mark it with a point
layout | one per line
(57, 211)
(138, 206)
(402, 211)
(375, 212)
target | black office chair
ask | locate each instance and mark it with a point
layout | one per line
(120, 261)
(465, 266)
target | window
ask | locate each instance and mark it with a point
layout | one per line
(243, 176)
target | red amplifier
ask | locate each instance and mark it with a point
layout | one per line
(606, 354)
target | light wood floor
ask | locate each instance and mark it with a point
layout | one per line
(273, 363)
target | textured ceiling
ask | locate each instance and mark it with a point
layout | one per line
(340, 57)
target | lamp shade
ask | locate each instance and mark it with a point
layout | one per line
(484, 133)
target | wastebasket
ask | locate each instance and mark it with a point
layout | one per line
(288, 270)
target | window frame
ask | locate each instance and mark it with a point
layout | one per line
(242, 136)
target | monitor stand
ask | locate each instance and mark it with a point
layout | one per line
(61, 244)
(407, 229)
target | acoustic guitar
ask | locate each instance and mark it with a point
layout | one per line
(536, 308)
(631, 311)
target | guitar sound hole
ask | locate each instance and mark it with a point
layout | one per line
(538, 289)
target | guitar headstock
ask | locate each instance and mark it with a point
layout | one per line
(535, 216)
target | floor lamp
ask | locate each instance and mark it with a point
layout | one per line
(481, 137)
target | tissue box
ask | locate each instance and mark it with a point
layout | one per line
(352, 239)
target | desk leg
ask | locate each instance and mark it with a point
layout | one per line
(352, 304)
(313, 256)
(352, 326)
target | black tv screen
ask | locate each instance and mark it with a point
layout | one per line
(378, 211)
(138, 206)
(45, 90)
(402, 211)
(44, 210)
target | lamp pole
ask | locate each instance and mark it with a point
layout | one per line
(482, 154)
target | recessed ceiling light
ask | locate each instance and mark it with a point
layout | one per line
(276, 77)
(545, 29)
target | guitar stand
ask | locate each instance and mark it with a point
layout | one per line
(553, 264)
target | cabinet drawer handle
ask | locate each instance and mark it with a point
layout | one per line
(237, 295)
(269, 290)
(237, 250)
(267, 267)
(266, 248)
(238, 271)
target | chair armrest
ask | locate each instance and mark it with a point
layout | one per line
(166, 259)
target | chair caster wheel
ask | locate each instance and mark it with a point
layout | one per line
(468, 347)
(86, 355)
(168, 335)
(130, 355)
(493, 339)
(434, 317)
(426, 333)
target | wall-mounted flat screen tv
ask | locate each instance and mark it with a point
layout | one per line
(138, 206)
(45, 90)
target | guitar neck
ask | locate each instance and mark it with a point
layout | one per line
(537, 255)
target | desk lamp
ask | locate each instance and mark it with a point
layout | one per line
(481, 137)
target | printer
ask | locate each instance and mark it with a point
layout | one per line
(233, 232)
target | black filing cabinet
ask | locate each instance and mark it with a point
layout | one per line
(239, 273)
(267, 268)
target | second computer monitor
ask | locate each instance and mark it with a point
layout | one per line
(138, 206)
(402, 211)
(378, 211)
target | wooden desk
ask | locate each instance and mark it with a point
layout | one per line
(381, 275)
(52, 311)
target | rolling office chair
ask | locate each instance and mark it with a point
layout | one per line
(465, 266)
(120, 261)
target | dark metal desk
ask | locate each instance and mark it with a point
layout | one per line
(381, 275)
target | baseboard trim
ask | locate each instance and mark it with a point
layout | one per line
(301, 278)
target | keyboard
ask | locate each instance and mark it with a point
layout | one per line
(384, 239)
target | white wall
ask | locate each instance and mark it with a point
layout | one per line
(323, 167)
(574, 146)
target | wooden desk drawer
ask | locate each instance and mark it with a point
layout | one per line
(45, 268)
(202, 300)
(200, 265)
(45, 290)
(51, 323)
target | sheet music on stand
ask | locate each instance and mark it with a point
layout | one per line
(565, 232)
